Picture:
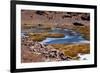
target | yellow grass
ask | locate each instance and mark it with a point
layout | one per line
(73, 50)
(83, 30)
(45, 27)
(42, 36)
(54, 35)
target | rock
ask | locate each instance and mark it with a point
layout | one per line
(78, 24)
(53, 54)
(48, 52)
(40, 12)
(66, 16)
(85, 17)
(62, 57)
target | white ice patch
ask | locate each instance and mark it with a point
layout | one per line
(84, 56)
(84, 41)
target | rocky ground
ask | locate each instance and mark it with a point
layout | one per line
(33, 51)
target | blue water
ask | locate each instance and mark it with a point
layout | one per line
(70, 37)
(65, 40)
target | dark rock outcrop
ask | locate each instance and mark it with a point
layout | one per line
(85, 17)
(40, 12)
(78, 24)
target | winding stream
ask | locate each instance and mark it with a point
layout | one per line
(70, 36)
